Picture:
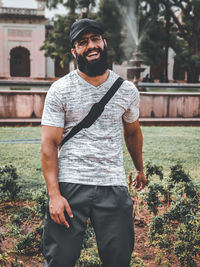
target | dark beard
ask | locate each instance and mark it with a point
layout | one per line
(95, 67)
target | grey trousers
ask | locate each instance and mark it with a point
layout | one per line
(110, 211)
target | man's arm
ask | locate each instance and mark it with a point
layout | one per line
(51, 138)
(134, 141)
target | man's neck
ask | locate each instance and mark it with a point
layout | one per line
(95, 81)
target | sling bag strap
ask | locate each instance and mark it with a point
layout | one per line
(95, 111)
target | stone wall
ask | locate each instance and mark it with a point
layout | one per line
(21, 104)
(29, 104)
(170, 105)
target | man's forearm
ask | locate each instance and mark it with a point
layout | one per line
(134, 144)
(49, 160)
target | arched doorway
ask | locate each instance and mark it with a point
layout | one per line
(19, 62)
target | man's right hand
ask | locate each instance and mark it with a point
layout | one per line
(57, 206)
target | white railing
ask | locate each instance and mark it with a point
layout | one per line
(20, 11)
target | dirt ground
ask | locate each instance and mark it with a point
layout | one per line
(142, 249)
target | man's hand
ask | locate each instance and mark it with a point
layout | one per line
(139, 181)
(57, 206)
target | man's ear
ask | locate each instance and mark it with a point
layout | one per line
(105, 42)
(73, 52)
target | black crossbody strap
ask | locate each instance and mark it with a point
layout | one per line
(95, 111)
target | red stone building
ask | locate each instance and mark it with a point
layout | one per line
(22, 33)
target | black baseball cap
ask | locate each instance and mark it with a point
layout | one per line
(81, 25)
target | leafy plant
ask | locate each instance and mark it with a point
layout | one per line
(22, 214)
(89, 257)
(14, 230)
(3, 259)
(153, 169)
(9, 188)
(89, 237)
(175, 227)
(187, 245)
(31, 243)
(2, 237)
(136, 262)
(40, 198)
(16, 263)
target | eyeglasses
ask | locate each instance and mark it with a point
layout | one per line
(96, 39)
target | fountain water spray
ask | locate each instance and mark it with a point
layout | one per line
(130, 15)
(131, 20)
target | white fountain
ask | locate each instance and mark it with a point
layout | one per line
(130, 16)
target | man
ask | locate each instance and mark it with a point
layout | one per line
(86, 178)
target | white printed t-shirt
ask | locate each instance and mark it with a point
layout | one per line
(94, 156)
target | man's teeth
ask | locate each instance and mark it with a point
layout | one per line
(92, 54)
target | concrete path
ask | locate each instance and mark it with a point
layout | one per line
(21, 141)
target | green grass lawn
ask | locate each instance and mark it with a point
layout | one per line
(163, 146)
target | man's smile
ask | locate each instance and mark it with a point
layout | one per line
(92, 55)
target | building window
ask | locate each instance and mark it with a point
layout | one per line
(19, 62)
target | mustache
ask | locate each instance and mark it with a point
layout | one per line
(91, 50)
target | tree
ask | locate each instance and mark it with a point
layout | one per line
(158, 36)
(188, 30)
(69, 4)
(109, 17)
(147, 27)
(181, 28)
(57, 43)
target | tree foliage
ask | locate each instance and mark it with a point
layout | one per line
(179, 28)
(188, 30)
(109, 17)
(57, 43)
(160, 25)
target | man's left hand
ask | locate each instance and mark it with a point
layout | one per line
(139, 181)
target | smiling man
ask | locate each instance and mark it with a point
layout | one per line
(85, 178)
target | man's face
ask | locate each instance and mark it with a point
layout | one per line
(91, 54)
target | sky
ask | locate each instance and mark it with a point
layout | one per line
(33, 4)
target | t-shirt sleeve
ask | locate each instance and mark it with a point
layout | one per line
(132, 113)
(54, 111)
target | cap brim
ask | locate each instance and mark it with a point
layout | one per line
(75, 37)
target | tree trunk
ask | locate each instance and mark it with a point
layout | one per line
(166, 64)
(110, 64)
(167, 28)
(193, 75)
(193, 72)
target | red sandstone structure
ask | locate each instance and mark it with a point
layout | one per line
(22, 33)
(25, 108)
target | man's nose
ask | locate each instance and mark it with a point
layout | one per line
(90, 43)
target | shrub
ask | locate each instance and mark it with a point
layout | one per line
(175, 227)
(187, 244)
(89, 255)
(16, 263)
(2, 237)
(31, 243)
(40, 198)
(9, 189)
(22, 214)
(89, 237)
(89, 258)
(136, 262)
